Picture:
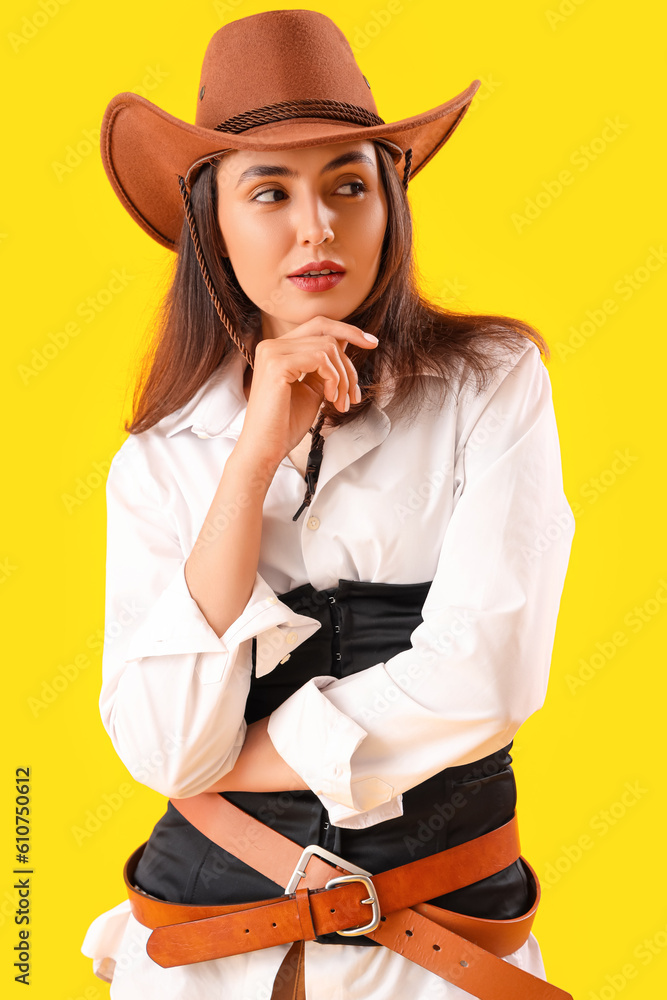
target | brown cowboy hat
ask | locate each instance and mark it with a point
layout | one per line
(283, 79)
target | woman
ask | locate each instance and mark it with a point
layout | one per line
(347, 664)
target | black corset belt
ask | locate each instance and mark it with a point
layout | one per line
(361, 624)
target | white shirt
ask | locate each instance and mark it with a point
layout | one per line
(468, 495)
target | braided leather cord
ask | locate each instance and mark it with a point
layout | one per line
(313, 464)
(208, 280)
(308, 108)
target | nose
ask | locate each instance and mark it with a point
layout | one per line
(313, 220)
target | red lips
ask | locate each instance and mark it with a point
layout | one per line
(318, 265)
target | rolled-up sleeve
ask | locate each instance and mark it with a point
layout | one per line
(478, 664)
(173, 691)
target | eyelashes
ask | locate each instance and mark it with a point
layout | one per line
(355, 184)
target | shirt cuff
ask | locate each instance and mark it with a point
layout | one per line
(351, 819)
(176, 624)
(318, 740)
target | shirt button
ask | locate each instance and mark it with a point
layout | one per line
(313, 523)
(291, 637)
(272, 600)
(202, 434)
(285, 658)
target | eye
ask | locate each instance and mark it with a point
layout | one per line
(359, 185)
(356, 184)
(266, 191)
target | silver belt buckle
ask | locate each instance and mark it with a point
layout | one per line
(356, 875)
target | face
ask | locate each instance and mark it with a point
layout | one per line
(281, 210)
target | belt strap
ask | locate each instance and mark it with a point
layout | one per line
(464, 950)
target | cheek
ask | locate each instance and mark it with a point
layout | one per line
(255, 281)
(256, 270)
(247, 251)
(254, 243)
(370, 232)
(368, 247)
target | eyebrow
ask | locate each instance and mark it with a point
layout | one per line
(279, 170)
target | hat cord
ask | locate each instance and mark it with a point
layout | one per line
(239, 123)
(189, 215)
(309, 107)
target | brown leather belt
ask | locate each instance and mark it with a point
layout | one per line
(324, 896)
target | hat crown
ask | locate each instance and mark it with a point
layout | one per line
(275, 56)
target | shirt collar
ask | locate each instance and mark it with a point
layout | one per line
(218, 406)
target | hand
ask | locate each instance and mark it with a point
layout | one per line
(280, 408)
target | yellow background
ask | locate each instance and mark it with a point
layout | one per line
(554, 74)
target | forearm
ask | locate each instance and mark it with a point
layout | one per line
(259, 767)
(221, 568)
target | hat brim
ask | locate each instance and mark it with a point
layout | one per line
(144, 150)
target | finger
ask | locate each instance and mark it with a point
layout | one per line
(337, 382)
(348, 377)
(324, 358)
(343, 332)
(353, 380)
(354, 334)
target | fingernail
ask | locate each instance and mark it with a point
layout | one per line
(370, 336)
(347, 401)
(357, 393)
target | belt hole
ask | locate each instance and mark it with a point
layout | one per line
(436, 947)
(247, 930)
(409, 933)
(464, 963)
(383, 918)
(275, 925)
(332, 911)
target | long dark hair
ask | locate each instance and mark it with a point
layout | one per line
(189, 341)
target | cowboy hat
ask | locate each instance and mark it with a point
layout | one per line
(282, 79)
